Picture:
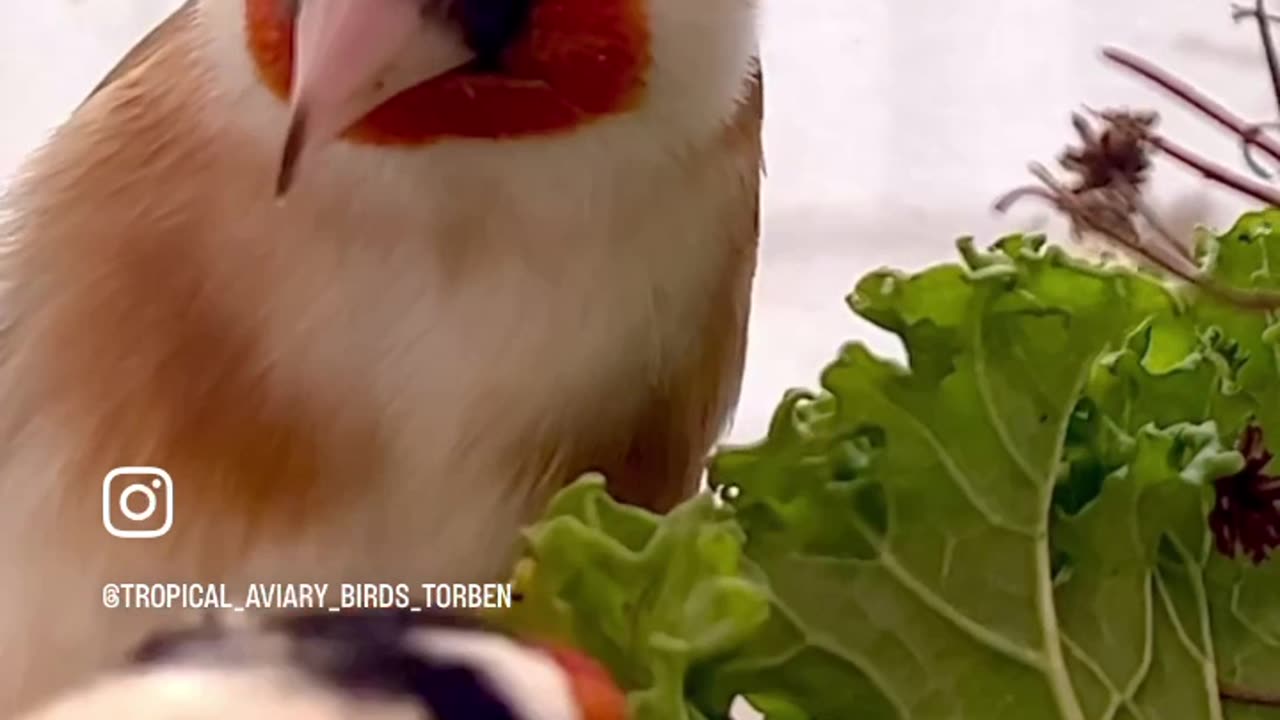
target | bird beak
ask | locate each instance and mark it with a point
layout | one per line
(350, 56)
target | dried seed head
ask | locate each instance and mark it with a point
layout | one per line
(1120, 155)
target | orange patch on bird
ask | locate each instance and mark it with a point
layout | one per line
(150, 371)
(593, 688)
(577, 61)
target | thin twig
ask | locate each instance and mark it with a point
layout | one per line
(1190, 95)
(1263, 19)
(1085, 217)
(1154, 221)
(1218, 173)
(1246, 149)
(1011, 198)
(1238, 11)
(1268, 45)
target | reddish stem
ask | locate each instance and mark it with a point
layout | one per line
(1218, 173)
(1189, 94)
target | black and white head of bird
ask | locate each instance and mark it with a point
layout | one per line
(369, 665)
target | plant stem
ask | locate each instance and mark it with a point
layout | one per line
(1239, 11)
(1268, 44)
(1190, 95)
(1218, 173)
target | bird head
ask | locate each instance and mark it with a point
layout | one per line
(415, 72)
(374, 665)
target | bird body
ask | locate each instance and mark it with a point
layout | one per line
(380, 376)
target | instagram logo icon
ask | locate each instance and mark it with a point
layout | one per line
(137, 502)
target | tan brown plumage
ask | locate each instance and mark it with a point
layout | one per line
(686, 414)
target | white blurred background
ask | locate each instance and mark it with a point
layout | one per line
(892, 125)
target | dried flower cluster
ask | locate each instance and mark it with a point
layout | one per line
(1108, 172)
(1246, 513)
(1120, 155)
(1103, 195)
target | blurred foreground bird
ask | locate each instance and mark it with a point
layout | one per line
(370, 279)
(366, 666)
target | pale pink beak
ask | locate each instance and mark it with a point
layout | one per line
(353, 55)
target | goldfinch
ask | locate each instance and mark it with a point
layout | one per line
(367, 281)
